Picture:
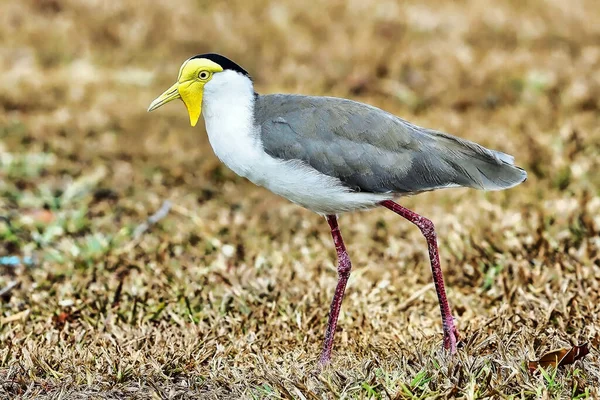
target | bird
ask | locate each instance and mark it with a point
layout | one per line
(334, 155)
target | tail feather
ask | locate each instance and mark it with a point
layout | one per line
(479, 167)
(491, 176)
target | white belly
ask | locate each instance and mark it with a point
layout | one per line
(304, 185)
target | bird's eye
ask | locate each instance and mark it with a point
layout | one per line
(203, 75)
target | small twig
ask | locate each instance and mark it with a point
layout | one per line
(8, 288)
(408, 302)
(144, 226)
(153, 219)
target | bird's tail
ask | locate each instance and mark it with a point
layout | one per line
(478, 167)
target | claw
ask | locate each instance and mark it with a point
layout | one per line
(451, 339)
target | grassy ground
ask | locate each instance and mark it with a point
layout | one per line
(227, 296)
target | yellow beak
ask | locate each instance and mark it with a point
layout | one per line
(170, 94)
(192, 100)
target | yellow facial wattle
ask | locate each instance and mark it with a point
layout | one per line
(191, 95)
(193, 75)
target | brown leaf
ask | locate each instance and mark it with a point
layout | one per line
(561, 357)
(62, 317)
(40, 216)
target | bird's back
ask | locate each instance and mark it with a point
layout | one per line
(371, 150)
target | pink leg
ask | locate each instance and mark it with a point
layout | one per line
(428, 230)
(344, 267)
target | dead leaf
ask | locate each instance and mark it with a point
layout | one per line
(62, 318)
(559, 358)
(42, 216)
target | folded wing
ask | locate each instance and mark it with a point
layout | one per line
(371, 150)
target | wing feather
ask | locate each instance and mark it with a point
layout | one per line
(374, 151)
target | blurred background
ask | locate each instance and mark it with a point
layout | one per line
(232, 276)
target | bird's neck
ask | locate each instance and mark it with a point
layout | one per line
(228, 109)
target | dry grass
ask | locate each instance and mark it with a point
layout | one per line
(228, 295)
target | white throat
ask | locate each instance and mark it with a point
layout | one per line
(228, 109)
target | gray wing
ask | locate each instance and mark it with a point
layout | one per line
(371, 150)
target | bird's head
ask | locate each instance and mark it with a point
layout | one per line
(196, 73)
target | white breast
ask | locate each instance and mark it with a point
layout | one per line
(228, 107)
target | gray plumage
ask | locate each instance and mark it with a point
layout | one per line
(371, 150)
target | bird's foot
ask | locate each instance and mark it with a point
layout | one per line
(323, 362)
(451, 337)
